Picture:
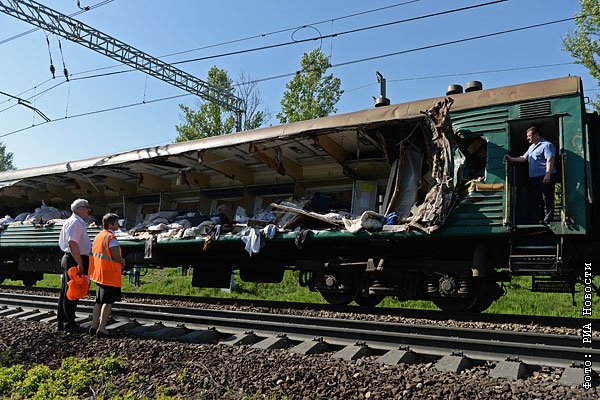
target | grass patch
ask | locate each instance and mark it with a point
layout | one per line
(518, 300)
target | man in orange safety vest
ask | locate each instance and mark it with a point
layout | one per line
(106, 267)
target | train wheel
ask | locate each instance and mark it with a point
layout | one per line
(452, 304)
(339, 298)
(471, 304)
(493, 292)
(370, 301)
(28, 282)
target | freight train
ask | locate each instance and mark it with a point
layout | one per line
(411, 200)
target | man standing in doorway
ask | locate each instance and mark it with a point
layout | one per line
(75, 243)
(540, 158)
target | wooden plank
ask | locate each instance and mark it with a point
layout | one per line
(87, 189)
(60, 191)
(12, 191)
(282, 165)
(336, 151)
(194, 178)
(153, 182)
(228, 168)
(36, 195)
(119, 186)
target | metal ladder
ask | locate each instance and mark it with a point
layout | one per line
(540, 254)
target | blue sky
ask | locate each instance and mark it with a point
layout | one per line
(164, 27)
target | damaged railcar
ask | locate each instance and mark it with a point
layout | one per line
(410, 200)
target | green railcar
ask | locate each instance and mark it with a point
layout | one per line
(464, 215)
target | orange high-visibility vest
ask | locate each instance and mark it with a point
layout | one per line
(103, 269)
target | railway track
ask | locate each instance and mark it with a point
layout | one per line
(434, 315)
(516, 354)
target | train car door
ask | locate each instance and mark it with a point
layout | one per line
(518, 176)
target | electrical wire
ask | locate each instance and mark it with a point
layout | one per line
(450, 42)
(332, 66)
(85, 114)
(263, 35)
(489, 71)
(319, 37)
(367, 58)
(81, 11)
(200, 48)
(336, 34)
(360, 60)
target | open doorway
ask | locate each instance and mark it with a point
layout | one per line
(520, 197)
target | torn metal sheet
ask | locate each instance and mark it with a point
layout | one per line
(431, 214)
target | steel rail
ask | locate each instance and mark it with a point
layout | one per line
(436, 315)
(477, 344)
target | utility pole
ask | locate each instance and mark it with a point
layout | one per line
(78, 32)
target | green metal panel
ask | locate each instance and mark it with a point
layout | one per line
(572, 147)
(28, 235)
(477, 213)
(491, 124)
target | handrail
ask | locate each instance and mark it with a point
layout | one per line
(506, 210)
(563, 211)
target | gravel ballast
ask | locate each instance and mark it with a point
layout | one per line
(222, 372)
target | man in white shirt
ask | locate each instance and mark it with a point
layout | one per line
(75, 243)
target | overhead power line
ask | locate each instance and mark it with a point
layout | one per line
(489, 71)
(352, 61)
(523, 28)
(331, 35)
(487, 35)
(78, 32)
(81, 11)
(416, 49)
(85, 114)
(303, 40)
(262, 35)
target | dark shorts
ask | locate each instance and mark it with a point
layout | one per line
(107, 294)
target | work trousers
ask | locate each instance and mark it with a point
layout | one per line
(66, 307)
(542, 199)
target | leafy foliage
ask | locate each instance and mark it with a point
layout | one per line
(74, 378)
(584, 43)
(212, 119)
(310, 93)
(6, 159)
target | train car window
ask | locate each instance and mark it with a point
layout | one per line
(231, 204)
(475, 151)
(115, 210)
(188, 206)
(147, 209)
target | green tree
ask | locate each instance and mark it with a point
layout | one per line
(210, 119)
(6, 159)
(584, 43)
(310, 93)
